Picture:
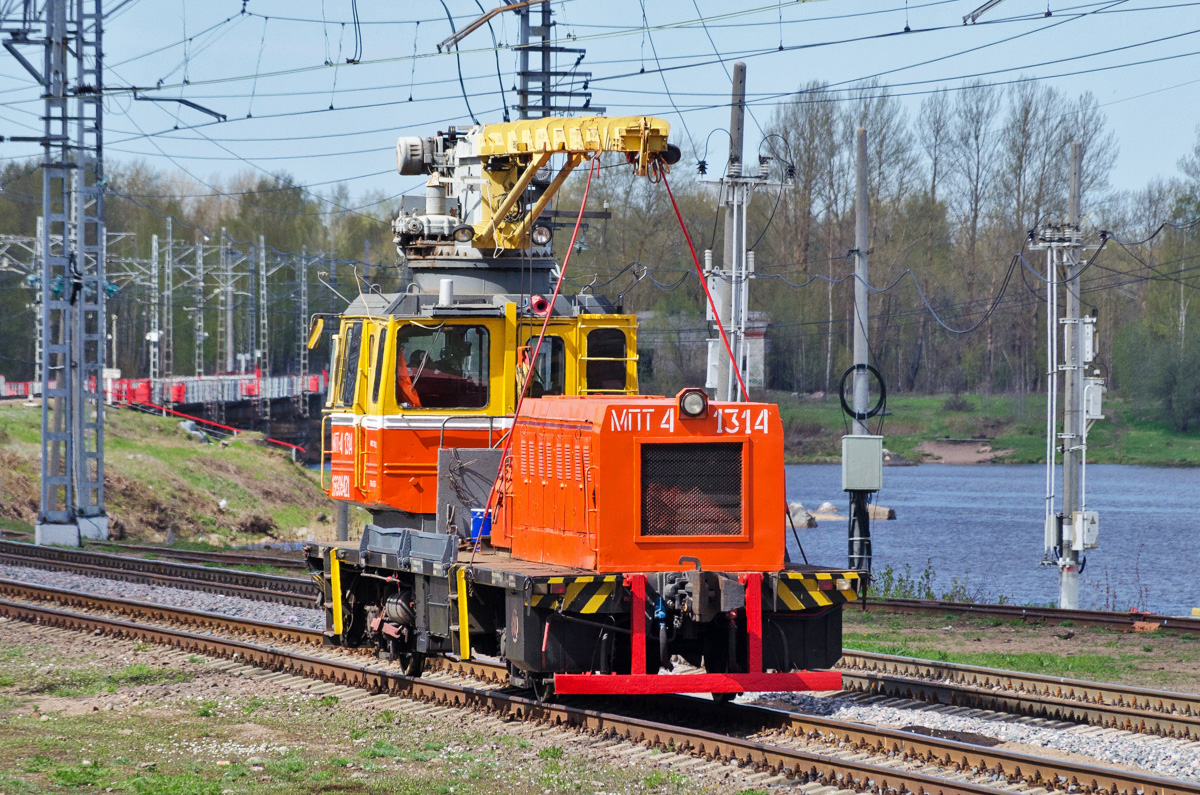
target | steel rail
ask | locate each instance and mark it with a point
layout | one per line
(297, 591)
(148, 611)
(1117, 706)
(898, 746)
(230, 558)
(1039, 615)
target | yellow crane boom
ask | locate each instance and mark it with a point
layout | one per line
(515, 151)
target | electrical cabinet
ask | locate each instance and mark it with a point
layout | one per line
(862, 463)
(1086, 531)
(1087, 339)
(1093, 398)
(713, 371)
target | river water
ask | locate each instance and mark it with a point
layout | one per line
(983, 526)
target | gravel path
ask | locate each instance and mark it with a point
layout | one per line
(175, 597)
(1165, 756)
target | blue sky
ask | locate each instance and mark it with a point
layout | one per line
(267, 71)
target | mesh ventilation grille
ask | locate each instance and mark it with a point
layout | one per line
(692, 489)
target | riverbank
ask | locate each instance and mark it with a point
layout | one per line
(963, 429)
(160, 481)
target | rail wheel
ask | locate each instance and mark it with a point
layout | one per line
(412, 663)
(543, 688)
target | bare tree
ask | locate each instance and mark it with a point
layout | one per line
(974, 150)
(934, 124)
(806, 127)
(1086, 123)
(892, 160)
(836, 190)
(1189, 164)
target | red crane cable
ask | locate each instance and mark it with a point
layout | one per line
(491, 501)
(704, 283)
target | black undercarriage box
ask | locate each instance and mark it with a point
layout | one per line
(799, 641)
(544, 640)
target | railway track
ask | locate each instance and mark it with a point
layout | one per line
(1041, 615)
(1109, 705)
(232, 558)
(804, 747)
(297, 591)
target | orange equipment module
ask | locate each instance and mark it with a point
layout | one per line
(632, 483)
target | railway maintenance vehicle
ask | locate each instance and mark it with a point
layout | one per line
(527, 503)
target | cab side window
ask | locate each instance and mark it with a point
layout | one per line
(442, 368)
(351, 348)
(550, 372)
(606, 360)
(378, 367)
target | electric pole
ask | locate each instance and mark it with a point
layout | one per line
(71, 245)
(725, 282)
(155, 335)
(1074, 529)
(538, 95)
(730, 285)
(167, 348)
(861, 310)
(862, 453)
(302, 327)
(1072, 437)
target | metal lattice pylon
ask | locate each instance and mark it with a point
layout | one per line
(72, 277)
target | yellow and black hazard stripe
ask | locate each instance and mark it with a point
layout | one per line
(585, 594)
(796, 590)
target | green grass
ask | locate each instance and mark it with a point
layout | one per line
(158, 479)
(1128, 434)
(660, 777)
(135, 749)
(1096, 667)
(89, 681)
(78, 776)
(15, 526)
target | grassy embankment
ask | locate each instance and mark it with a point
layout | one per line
(157, 479)
(1157, 659)
(1126, 435)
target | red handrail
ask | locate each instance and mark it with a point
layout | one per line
(230, 428)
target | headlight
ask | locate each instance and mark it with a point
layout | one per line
(693, 403)
(464, 233)
(541, 235)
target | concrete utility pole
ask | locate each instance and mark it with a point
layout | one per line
(72, 245)
(862, 454)
(730, 285)
(1073, 436)
(861, 310)
(725, 289)
(1074, 529)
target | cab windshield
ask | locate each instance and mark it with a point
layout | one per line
(442, 367)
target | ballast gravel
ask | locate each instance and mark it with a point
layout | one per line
(1166, 756)
(234, 606)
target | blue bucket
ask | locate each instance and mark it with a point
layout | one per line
(481, 524)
